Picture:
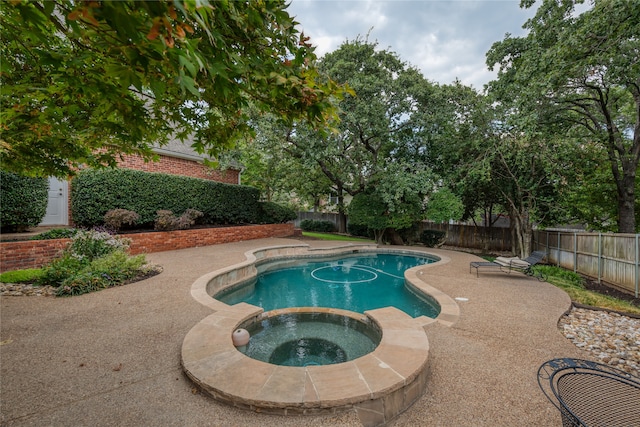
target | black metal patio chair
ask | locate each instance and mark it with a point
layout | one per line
(591, 394)
(522, 265)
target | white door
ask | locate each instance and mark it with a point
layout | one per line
(57, 206)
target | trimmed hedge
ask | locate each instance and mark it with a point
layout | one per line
(94, 192)
(23, 201)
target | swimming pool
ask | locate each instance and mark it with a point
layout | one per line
(356, 282)
(379, 385)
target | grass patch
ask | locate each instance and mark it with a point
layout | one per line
(573, 284)
(331, 236)
(29, 275)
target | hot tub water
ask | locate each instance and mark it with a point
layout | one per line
(311, 338)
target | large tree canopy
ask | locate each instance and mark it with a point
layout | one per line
(387, 110)
(580, 74)
(84, 81)
(490, 163)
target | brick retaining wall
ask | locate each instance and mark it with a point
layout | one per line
(36, 253)
(29, 253)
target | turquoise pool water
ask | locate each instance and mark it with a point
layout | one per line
(304, 339)
(357, 282)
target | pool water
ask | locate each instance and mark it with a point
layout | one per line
(305, 339)
(355, 282)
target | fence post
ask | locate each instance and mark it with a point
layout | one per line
(599, 255)
(558, 252)
(547, 243)
(637, 266)
(575, 252)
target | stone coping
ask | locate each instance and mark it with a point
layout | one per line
(378, 386)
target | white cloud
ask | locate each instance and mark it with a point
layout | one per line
(444, 39)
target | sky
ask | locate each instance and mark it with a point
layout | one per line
(445, 39)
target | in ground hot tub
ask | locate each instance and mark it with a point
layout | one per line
(310, 338)
(377, 385)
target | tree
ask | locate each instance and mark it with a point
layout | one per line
(386, 109)
(280, 177)
(466, 130)
(580, 73)
(486, 159)
(526, 174)
(85, 81)
(394, 200)
(443, 206)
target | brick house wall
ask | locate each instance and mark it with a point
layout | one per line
(175, 158)
(179, 166)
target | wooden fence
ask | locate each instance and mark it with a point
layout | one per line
(316, 216)
(472, 237)
(612, 258)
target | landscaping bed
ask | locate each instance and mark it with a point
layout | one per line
(15, 255)
(601, 288)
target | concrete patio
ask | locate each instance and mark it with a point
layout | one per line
(113, 357)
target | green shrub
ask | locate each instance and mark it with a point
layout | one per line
(432, 238)
(61, 269)
(315, 225)
(23, 201)
(274, 213)
(117, 218)
(28, 275)
(113, 269)
(85, 247)
(93, 260)
(118, 265)
(81, 283)
(360, 231)
(94, 192)
(56, 233)
(410, 235)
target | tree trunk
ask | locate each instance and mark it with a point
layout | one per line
(393, 237)
(515, 235)
(342, 222)
(522, 231)
(626, 198)
(489, 226)
(342, 217)
(624, 164)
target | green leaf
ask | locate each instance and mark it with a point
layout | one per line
(184, 61)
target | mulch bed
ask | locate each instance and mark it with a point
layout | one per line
(603, 289)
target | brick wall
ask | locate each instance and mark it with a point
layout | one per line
(29, 253)
(182, 239)
(36, 253)
(177, 166)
